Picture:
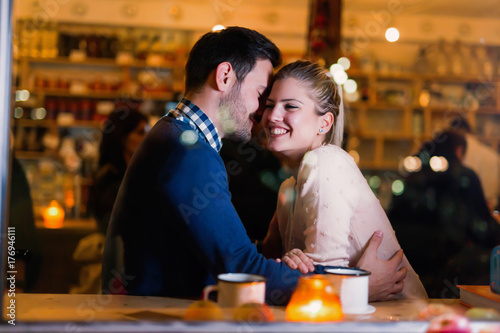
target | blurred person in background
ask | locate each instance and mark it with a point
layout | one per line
(124, 131)
(484, 160)
(442, 220)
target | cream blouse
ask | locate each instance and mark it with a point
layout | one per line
(331, 213)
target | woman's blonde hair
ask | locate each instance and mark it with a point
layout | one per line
(322, 90)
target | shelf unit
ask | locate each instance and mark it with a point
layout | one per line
(74, 93)
(395, 113)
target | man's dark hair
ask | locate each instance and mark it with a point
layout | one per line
(240, 47)
(460, 123)
(444, 143)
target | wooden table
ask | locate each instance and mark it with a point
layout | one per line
(113, 313)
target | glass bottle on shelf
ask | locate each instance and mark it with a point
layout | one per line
(142, 47)
(48, 41)
(156, 44)
(103, 46)
(93, 45)
(35, 40)
(112, 45)
(82, 43)
(127, 42)
(24, 38)
(125, 47)
(475, 64)
(417, 122)
(422, 64)
(457, 60)
(441, 59)
(486, 65)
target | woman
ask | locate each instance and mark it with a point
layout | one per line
(123, 133)
(326, 208)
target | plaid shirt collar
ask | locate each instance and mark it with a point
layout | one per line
(189, 113)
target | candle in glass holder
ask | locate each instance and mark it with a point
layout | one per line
(314, 300)
(53, 215)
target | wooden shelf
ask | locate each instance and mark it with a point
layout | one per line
(160, 96)
(400, 76)
(53, 123)
(93, 62)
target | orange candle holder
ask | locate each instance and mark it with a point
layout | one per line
(53, 215)
(314, 300)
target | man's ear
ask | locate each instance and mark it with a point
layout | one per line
(460, 153)
(224, 76)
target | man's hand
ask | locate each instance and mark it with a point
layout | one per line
(296, 259)
(386, 279)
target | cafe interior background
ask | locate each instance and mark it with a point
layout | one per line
(75, 60)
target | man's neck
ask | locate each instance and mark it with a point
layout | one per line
(208, 102)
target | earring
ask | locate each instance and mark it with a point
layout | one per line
(321, 130)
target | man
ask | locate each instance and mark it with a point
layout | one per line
(481, 158)
(447, 212)
(173, 228)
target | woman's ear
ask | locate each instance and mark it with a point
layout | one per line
(224, 76)
(327, 121)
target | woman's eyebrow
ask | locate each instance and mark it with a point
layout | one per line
(291, 100)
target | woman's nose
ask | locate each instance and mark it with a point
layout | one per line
(274, 114)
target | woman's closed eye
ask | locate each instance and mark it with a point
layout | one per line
(291, 107)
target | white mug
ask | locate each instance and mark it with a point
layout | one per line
(235, 289)
(352, 285)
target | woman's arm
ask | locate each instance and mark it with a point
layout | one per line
(272, 247)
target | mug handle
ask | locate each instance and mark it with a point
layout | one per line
(209, 289)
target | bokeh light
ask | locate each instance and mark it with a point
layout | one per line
(344, 62)
(412, 164)
(353, 97)
(218, 27)
(438, 164)
(398, 187)
(267, 178)
(374, 182)
(18, 112)
(310, 158)
(22, 95)
(392, 34)
(355, 156)
(189, 138)
(336, 68)
(350, 86)
(340, 77)
(38, 113)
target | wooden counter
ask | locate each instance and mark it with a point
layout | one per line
(106, 313)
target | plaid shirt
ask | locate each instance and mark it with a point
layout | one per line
(189, 113)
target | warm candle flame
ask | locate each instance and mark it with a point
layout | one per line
(314, 300)
(53, 215)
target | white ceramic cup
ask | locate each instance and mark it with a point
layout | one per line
(352, 285)
(235, 289)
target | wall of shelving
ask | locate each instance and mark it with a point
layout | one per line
(395, 113)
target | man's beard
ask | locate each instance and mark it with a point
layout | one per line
(235, 121)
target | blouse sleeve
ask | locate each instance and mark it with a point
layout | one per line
(327, 194)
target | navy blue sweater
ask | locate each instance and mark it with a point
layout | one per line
(174, 229)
